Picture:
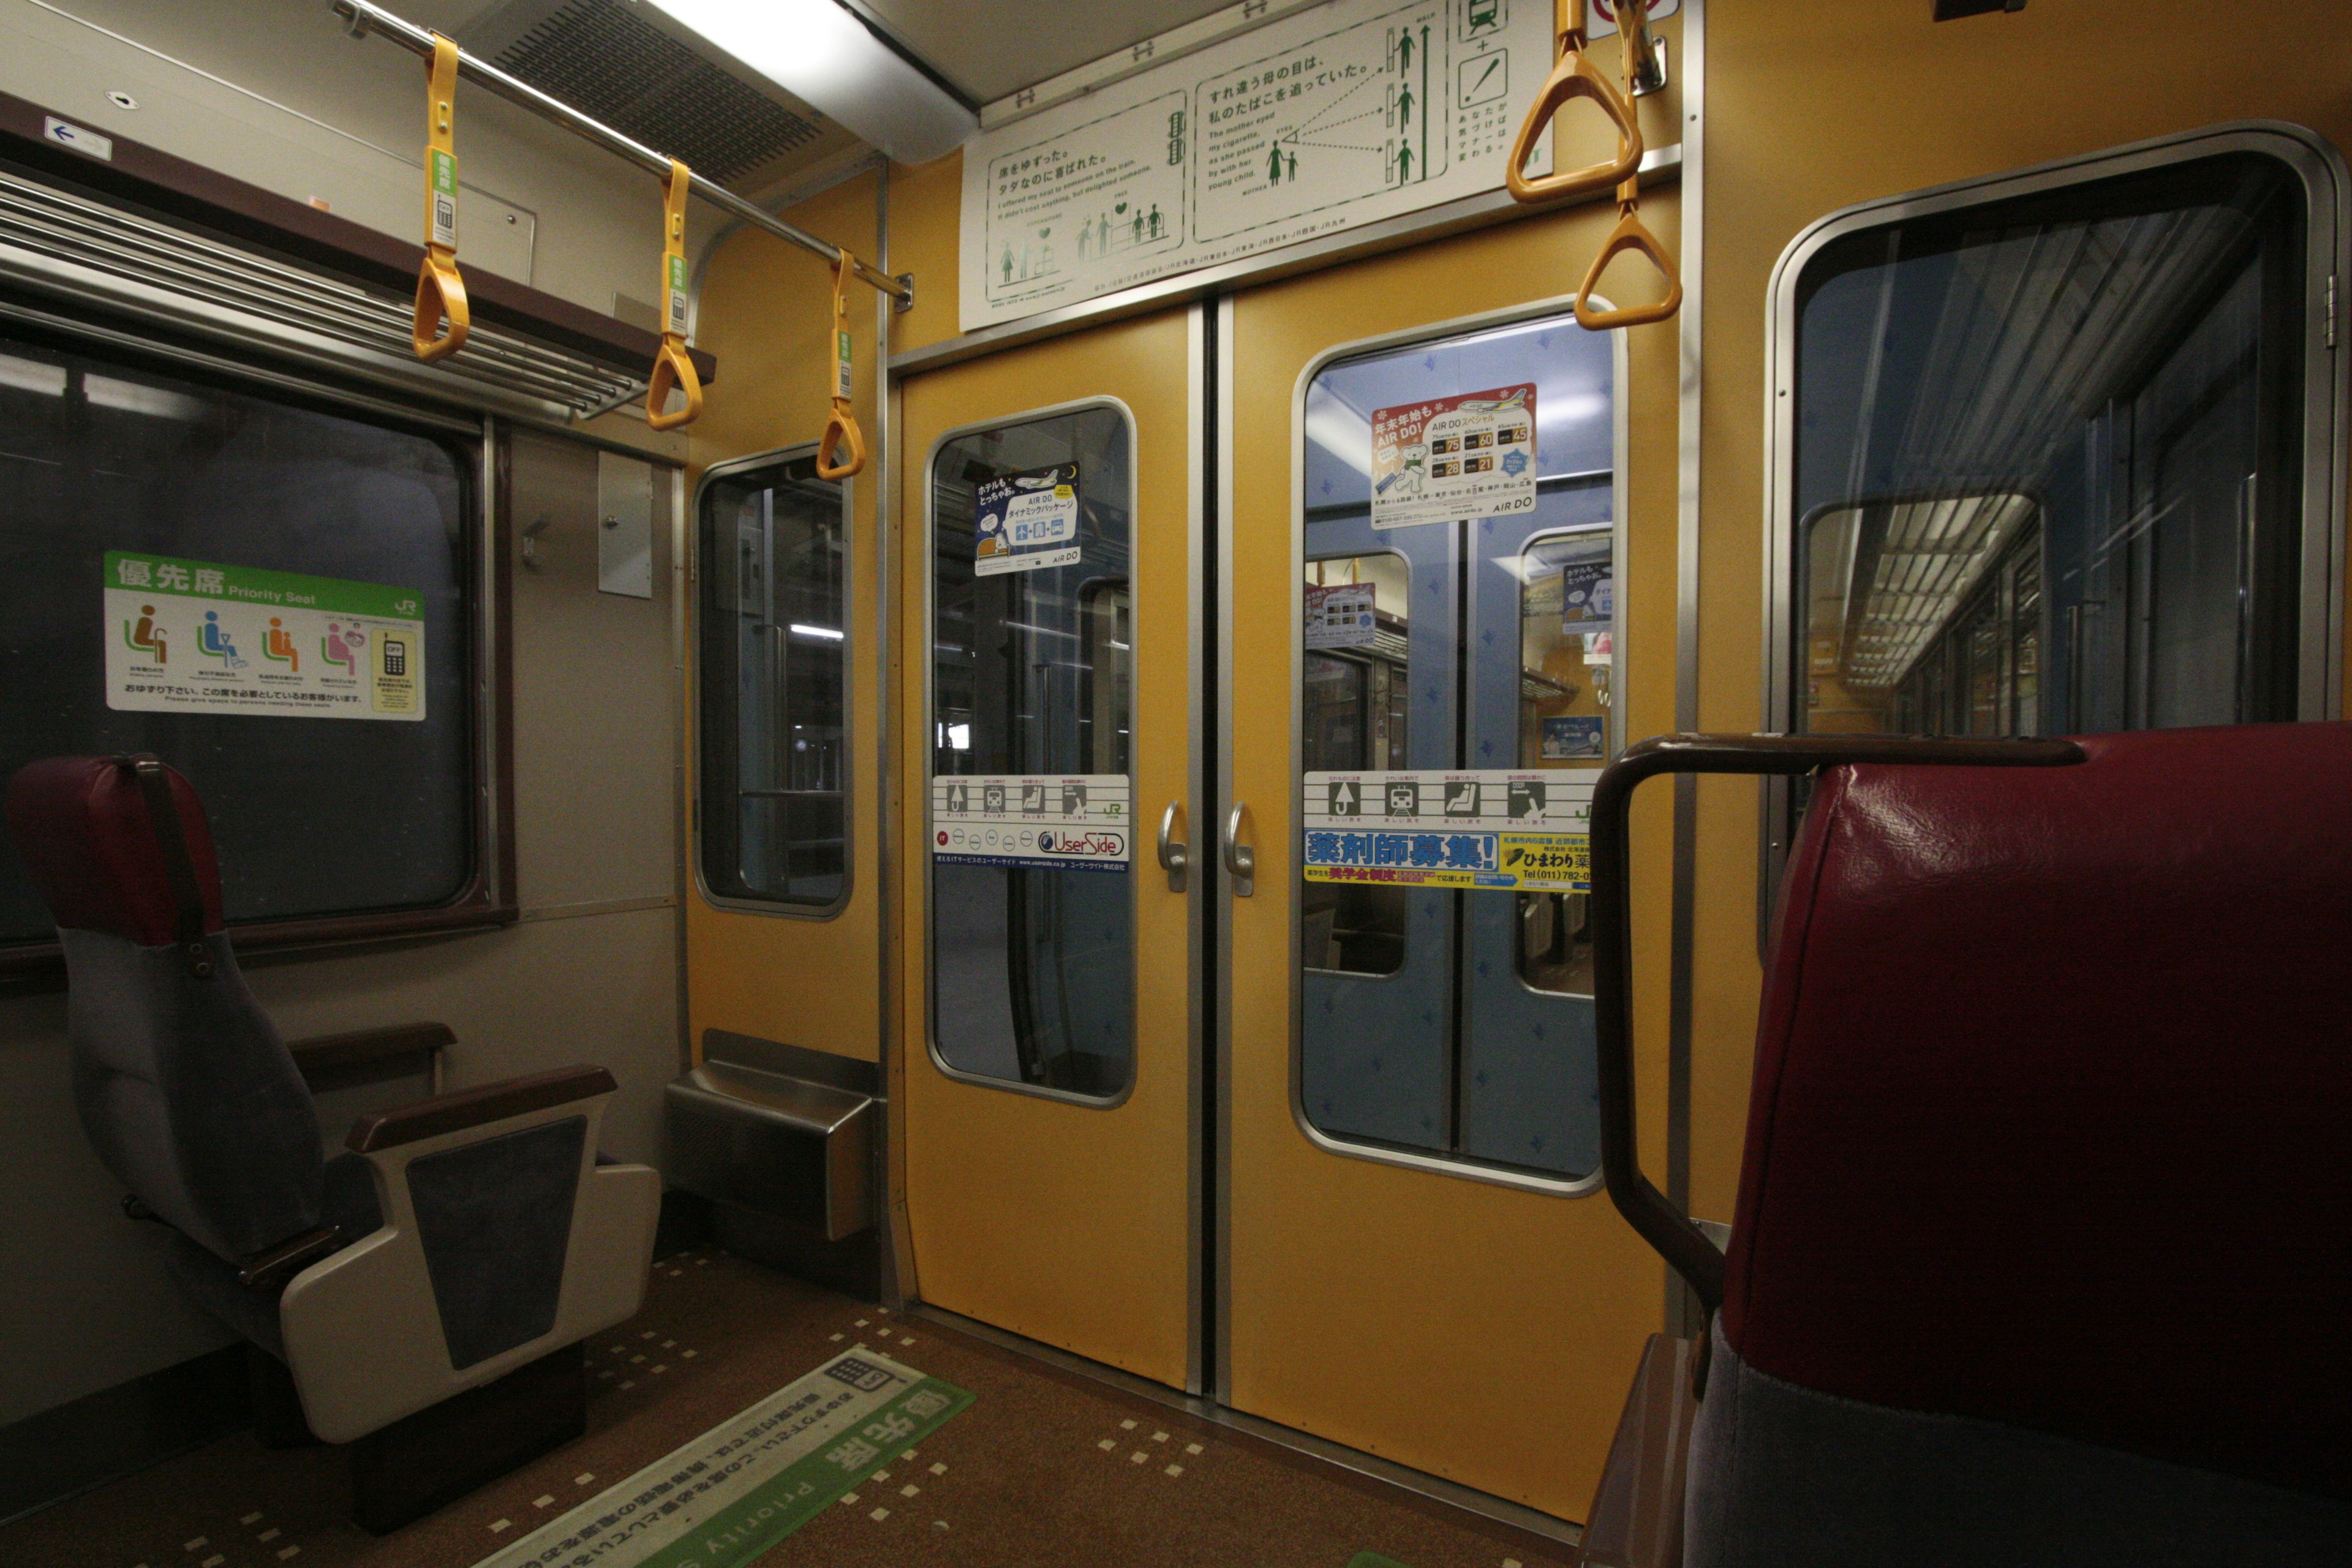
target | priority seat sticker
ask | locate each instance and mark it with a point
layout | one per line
(1077, 821)
(198, 637)
(1489, 829)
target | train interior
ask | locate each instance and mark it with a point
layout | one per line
(857, 782)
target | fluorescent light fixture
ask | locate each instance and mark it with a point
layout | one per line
(819, 52)
(134, 398)
(32, 375)
(829, 634)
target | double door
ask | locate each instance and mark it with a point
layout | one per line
(1236, 1058)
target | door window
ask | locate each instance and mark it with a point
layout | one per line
(1033, 668)
(1459, 605)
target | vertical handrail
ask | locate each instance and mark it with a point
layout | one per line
(1666, 1227)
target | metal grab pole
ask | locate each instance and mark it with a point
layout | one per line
(365, 18)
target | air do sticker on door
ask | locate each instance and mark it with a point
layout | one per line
(1026, 521)
(198, 637)
(1077, 821)
(1445, 458)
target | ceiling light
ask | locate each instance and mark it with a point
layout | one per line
(819, 52)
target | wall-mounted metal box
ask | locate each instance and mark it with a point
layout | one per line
(780, 1129)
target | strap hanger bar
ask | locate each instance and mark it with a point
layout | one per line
(365, 18)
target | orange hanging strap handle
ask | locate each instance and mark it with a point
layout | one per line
(1631, 233)
(673, 367)
(440, 291)
(1573, 76)
(841, 426)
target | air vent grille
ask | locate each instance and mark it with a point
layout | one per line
(608, 63)
(62, 242)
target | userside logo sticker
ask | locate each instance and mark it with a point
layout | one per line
(1096, 844)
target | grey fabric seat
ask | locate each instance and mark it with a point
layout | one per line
(459, 1238)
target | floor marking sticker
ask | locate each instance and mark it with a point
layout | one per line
(724, 1498)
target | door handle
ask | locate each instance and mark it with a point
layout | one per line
(1241, 860)
(1173, 858)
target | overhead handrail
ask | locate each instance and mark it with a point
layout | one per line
(440, 288)
(1631, 233)
(1610, 908)
(364, 18)
(673, 367)
(841, 425)
(1573, 76)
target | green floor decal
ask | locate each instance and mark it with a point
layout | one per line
(1372, 1560)
(736, 1491)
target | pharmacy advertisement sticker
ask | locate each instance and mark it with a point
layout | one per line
(1026, 521)
(1445, 458)
(198, 637)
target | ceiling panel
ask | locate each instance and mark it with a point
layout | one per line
(990, 48)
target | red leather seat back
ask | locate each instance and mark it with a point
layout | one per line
(81, 826)
(2052, 1121)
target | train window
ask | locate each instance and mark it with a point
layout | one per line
(278, 597)
(773, 811)
(1033, 670)
(1459, 612)
(2050, 459)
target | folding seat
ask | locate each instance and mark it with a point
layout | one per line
(461, 1238)
(2043, 1240)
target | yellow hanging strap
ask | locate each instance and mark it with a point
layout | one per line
(841, 427)
(673, 367)
(440, 291)
(1632, 20)
(1573, 76)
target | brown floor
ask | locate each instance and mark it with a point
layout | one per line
(1039, 1472)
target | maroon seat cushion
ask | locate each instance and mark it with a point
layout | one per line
(81, 826)
(2052, 1121)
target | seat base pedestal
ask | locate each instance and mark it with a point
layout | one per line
(425, 1461)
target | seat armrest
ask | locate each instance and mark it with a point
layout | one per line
(1636, 1518)
(469, 1108)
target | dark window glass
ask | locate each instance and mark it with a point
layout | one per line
(1032, 671)
(2048, 457)
(774, 686)
(312, 816)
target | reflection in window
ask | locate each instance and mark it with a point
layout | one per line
(1567, 624)
(775, 680)
(2049, 457)
(1354, 721)
(313, 817)
(1032, 673)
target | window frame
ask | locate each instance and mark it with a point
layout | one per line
(1620, 443)
(488, 897)
(2327, 395)
(928, 625)
(785, 909)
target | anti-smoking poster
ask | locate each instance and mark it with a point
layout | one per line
(1026, 521)
(197, 637)
(1445, 458)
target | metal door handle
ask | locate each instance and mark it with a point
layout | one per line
(1241, 860)
(1173, 854)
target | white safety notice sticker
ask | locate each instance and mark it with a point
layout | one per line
(1492, 829)
(1026, 521)
(1445, 458)
(197, 636)
(1081, 821)
(1341, 615)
